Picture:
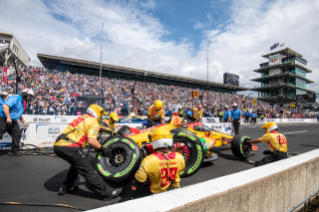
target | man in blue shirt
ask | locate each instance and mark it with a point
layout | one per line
(10, 113)
(253, 117)
(236, 115)
(247, 114)
(226, 114)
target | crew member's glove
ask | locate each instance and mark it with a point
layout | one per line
(266, 152)
(106, 151)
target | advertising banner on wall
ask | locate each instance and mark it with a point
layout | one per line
(254, 101)
(274, 59)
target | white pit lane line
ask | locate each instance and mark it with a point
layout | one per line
(295, 132)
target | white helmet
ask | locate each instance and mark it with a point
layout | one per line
(226, 106)
(234, 104)
(3, 93)
(27, 91)
(161, 138)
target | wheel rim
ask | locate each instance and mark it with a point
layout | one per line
(118, 157)
(246, 147)
(182, 148)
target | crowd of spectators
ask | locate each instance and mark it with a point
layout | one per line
(56, 93)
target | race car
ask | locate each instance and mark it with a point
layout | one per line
(195, 141)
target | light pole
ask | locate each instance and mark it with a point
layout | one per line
(207, 78)
(101, 58)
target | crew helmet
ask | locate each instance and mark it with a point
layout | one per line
(161, 138)
(114, 117)
(96, 111)
(234, 104)
(195, 109)
(158, 104)
(226, 106)
(26, 92)
(270, 126)
(3, 93)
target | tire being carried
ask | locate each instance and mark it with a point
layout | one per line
(240, 147)
(119, 169)
(189, 145)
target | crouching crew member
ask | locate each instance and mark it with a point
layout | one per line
(159, 171)
(155, 115)
(196, 115)
(68, 146)
(11, 111)
(277, 143)
(111, 122)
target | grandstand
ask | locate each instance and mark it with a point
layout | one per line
(92, 68)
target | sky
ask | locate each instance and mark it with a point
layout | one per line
(168, 36)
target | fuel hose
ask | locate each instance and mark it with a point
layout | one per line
(36, 204)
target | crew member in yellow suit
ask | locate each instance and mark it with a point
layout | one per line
(277, 143)
(159, 171)
(155, 114)
(68, 146)
(110, 124)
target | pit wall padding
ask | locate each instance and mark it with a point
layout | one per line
(274, 187)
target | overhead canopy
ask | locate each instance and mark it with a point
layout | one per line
(286, 52)
(111, 71)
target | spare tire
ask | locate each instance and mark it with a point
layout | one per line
(189, 145)
(119, 169)
(240, 147)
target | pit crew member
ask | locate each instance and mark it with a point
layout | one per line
(227, 114)
(68, 146)
(111, 122)
(247, 115)
(156, 114)
(253, 117)
(197, 114)
(159, 171)
(3, 96)
(277, 143)
(10, 113)
(236, 115)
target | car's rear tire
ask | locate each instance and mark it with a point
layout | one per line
(240, 147)
(119, 169)
(189, 145)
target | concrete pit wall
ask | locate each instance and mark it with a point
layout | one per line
(274, 187)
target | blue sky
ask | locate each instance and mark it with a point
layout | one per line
(168, 36)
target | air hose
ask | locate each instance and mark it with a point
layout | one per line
(35, 204)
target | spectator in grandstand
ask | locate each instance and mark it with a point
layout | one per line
(236, 115)
(10, 113)
(154, 165)
(277, 143)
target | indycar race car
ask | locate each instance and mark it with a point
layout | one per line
(195, 141)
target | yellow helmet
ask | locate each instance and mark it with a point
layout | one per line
(195, 109)
(158, 104)
(96, 111)
(269, 126)
(161, 138)
(114, 117)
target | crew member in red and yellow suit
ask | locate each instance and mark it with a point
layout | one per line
(277, 143)
(156, 114)
(110, 124)
(68, 146)
(159, 171)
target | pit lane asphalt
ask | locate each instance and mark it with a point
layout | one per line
(36, 179)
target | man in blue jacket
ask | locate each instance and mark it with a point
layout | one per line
(10, 113)
(226, 114)
(247, 114)
(236, 115)
(253, 117)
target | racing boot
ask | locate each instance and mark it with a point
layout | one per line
(115, 193)
(15, 153)
(63, 190)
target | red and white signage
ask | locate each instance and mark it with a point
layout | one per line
(4, 75)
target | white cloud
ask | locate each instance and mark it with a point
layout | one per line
(148, 5)
(133, 37)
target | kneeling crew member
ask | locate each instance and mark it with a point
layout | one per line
(68, 146)
(111, 122)
(197, 115)
(162, 168)
(277, 143)
(156, 114)
(11, 111)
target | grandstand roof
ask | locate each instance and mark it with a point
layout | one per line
(286, 52)
(92, 68)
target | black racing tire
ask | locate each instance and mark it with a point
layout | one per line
(240, 147)
(119, 169)
(194, 156)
